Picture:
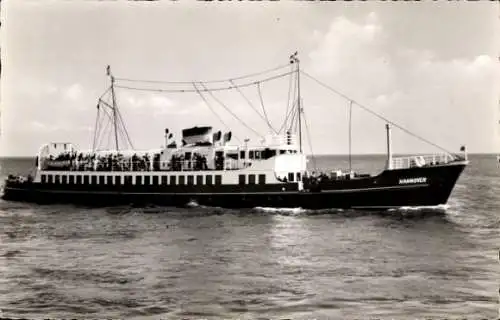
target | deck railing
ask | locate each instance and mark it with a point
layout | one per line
(421, 160)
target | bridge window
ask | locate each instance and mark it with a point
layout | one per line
(182, 180)
(190, 180)
(242, 154)
(155, 180)
(251, 154)
(78, 179)
(101, 179)
(57, 179)
(172, 180)
(209, 180)
(218, 179)
(86, 179)
(93, 179)
(262, 179)
(118, 180)
(164, 179)
(298, 176)
(109, 179)
(138, 180)
(50, 178)
(241, 179)
(64, 179)
(71, 179)
(199, 180)
(251, 179)
(147, 180)
(44, 178)
(290, 176)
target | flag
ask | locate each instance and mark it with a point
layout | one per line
(462, 148)
(108, 70)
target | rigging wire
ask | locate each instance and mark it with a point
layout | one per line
(228, 110)
(263, 109)
(375, 114)
(210, 107)
(350, 136)
(290, 112)
(252, 106)
(289, 90)
(210, 81)
(310, 143)
(206, 89)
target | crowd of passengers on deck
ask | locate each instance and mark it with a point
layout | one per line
(74, 161)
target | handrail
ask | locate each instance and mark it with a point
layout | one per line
(421, 160)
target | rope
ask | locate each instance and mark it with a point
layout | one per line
(210, 81)
(207, 90)
(376, 114)
(263, 109)
(235, 116)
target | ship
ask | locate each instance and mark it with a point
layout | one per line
(204, 167)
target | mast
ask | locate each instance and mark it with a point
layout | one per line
(115, 122)
(295, 59)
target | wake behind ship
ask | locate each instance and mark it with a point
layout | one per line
(205, 167)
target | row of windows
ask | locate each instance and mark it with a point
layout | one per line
(251, 179)
(127, 180)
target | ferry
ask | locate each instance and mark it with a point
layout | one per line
(206, 168)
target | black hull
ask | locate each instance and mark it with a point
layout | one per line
(390, 189)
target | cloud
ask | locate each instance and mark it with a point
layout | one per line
(353, 54)
(74, 92)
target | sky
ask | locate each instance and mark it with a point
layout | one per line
(431, 67)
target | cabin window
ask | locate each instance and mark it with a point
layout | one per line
(101, 179)
(49, 178)
(164, 179)
(172, 180)
(242, 154)
(78, 179)
(44, 178)
(290, 176)
(147, 180)
(128, 180)
(298, 176)
(251, 179)
(208, 180)
(190, 180)
(218, 179)
(57, 179)
(262, 179)
(182, 180)
(109, 180)
(155, 180)
(199, 180)
(71, 179)
(241, 179)
(118, 180)
(93, 179)
(138, 180)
